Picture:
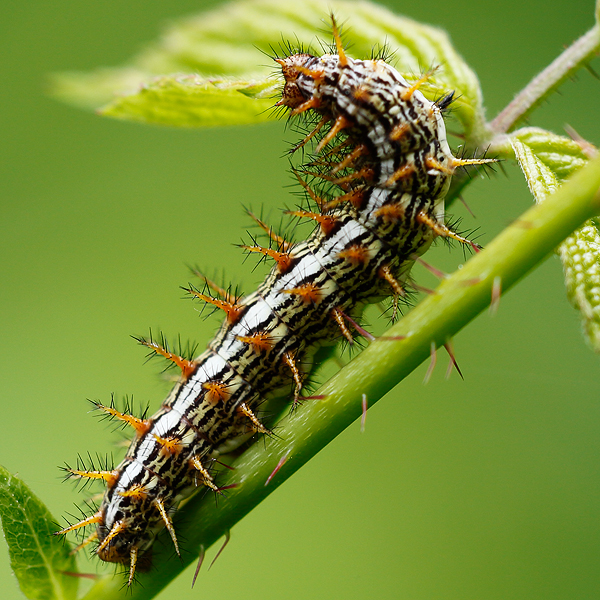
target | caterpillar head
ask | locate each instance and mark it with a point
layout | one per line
(292, 67)
(127, 529)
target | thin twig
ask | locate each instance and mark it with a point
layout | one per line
(574, 57)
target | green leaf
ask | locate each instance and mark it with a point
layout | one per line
(38, 558)
(547, 160)
(190, 101)
(580, 255)
(229, 44)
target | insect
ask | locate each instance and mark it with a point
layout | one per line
(376, 196)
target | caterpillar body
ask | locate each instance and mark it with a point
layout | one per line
(389, 168)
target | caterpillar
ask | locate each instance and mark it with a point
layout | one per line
(384, 170)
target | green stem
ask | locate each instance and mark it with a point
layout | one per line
(458, 300)
(575, 56)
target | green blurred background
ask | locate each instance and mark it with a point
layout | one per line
(486, 488)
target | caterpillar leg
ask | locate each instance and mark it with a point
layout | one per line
(290, 361)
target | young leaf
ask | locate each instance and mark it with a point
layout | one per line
(546, 161)
(580, 255)
(38, 558)
(228, 43)
(190, 101)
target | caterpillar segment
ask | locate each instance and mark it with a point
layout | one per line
(380, 204)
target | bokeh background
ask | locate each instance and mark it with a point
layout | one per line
(486, 488)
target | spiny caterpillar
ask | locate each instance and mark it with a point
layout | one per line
(384, 171)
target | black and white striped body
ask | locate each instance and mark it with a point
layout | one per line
(342, 265)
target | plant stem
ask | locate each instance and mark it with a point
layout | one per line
(574, 57)
(458, 300)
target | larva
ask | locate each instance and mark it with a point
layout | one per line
(382, 205)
